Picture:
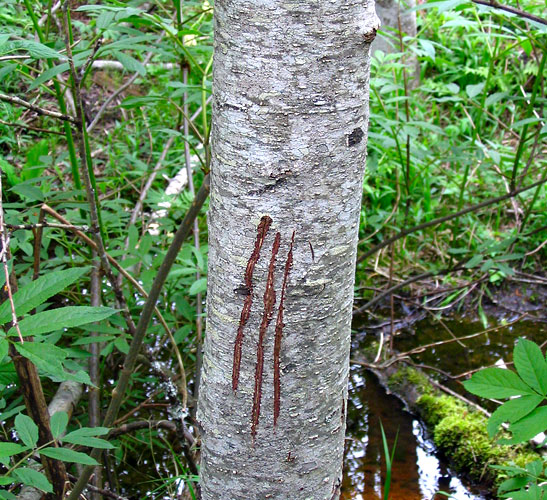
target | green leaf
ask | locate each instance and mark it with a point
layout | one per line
(511, 411)
(497, 383)
(528, 427)
(104, 19)
(33, 478)
(92, 442)
(40, 51)
(6, 480)
(129, 63)
(58, 423)
(198, 286)
(28, 191)
(6, 495)
(9, 170)
(9, 449)
(64, 317)
(474, 90)
(27, 430)
(531, 365)
(67, 455)
(37, 292)
(474, 261)
(4, 347)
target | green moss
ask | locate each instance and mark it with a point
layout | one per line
(462, 436)
(434, 408)
(406, 376)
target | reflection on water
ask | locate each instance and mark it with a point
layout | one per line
(417, 474)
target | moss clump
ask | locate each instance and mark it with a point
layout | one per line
(434, 408)
(407, 376)
(463, 438)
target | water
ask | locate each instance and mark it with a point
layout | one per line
(417, 473)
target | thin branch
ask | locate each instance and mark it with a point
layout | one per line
(30, 127)
(116, 93)
(146, 314)
(37, 109)
(15, 227)
(440, 220)
(512, 10)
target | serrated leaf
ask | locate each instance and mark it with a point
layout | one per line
(531, 365)
(528, 427)
(497, 383)
(26, 429)
(58, 423)
(37, 292)
(9, 449)
(511, 411)
(198, 286)
(64, 317)
(33, 478)
(67, 455)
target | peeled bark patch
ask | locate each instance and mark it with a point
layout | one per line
(261, 231)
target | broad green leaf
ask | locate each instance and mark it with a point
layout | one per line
(514, 483)
(46, 357)
(528, 427)
(474, 261)
(27, 430)
(27, 191)
(130, 63)
(92, 442)
(40, 51)
(33, 478)
(497, 383)
(64, 317)
(67, 455)
(58, 423)
(9, 449)
(104, 19)
(198, 286)
(7, 495)
(87, 432)
(38, 291)
(12, 411)
(7, 480)
(474, 90)
(511, 411)
(531, 365)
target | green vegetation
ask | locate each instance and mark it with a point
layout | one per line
(84, 193)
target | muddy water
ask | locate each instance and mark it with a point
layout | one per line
(417, 473)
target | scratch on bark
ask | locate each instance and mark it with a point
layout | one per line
(279, 333)
(261, 232)
(269, 302)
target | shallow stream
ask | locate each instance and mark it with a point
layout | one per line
(418, 473)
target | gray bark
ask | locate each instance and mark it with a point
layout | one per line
(391, 13)
(290, 116)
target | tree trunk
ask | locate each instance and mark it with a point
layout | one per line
(290, 115)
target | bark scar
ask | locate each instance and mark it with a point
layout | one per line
(261, 232)
(279, 333)
(269, 302)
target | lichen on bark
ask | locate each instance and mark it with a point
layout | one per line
(290, 115)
